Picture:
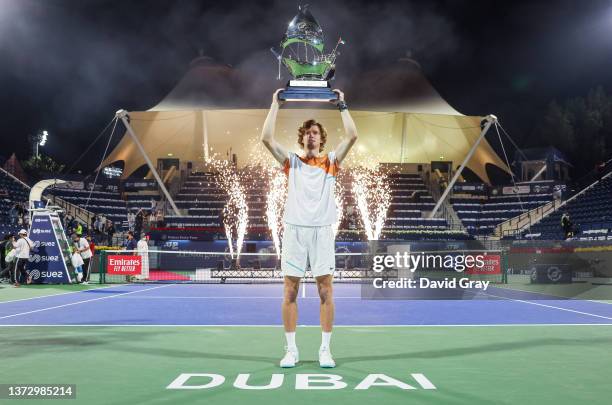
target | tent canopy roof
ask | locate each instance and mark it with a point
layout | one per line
(399, 115)
(397, 87)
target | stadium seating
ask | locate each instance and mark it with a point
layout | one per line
(481, 214)
(203, 201)
(590, 212)
(11, 192)
(108, 203)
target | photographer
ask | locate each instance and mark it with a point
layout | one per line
(22, 253)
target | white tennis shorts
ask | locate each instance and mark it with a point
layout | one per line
(303, 245)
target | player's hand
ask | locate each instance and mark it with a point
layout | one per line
(275, 100)
(340, 95)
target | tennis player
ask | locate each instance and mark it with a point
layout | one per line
(310, 211)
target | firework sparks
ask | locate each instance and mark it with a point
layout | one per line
(275, 206)
(339, 199)
(236, 210)
(373, 197)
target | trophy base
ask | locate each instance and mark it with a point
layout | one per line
(318, 93)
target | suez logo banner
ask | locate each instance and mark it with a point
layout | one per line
(200, 381)
(37, 231)
(124, 265)
(36, 258)
(39, 243)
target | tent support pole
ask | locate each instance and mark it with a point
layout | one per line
(490, 120)
(123, 115)
(205, 127)
(404, 124)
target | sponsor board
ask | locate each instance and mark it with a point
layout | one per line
(123, 265)
(492, 265)
(516, 190)
(47, 262)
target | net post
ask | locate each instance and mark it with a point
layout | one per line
(504, 266)
(102, 267)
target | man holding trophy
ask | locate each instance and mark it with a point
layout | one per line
(310, 209)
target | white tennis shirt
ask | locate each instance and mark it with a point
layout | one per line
(311, 190)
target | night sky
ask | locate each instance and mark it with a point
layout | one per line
(67, 66)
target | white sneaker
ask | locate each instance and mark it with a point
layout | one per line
(292, 356)
(79, 277)
(85, 282)
(325, 358)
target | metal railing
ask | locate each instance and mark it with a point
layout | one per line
(446, 209)
(515, 226)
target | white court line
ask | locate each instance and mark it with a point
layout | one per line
(552, 295)
(550, 306)
(81, 302)
(64, 293)
(240, 297)
(152, 325)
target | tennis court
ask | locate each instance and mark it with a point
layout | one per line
(127, 343)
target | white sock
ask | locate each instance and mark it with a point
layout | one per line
(325, 339)
(290, 336)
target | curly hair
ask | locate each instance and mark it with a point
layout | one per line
(305, 126)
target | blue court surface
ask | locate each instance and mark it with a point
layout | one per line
(259, 304)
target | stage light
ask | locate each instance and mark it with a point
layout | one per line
(111, 172)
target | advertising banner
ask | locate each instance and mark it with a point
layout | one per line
(50, 251)
(123, 265)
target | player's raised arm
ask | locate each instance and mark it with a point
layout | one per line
(349, 129)
(267, 133)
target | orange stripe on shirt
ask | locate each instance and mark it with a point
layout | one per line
(323, 163)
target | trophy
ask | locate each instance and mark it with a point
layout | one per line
(302, 53)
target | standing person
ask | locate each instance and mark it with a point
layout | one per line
(143, 251)
(159, 219)
(92, 244)
(13, 214)
(22, 252)
(138, 222)
(310, 212)
(146, 224)
(131, 218)
(566, 224)
(79, 228)
(77, 263)
(110, 231)
(21, 214)
(83, 248)
(130, 243)
(8, 258)
(102, 224)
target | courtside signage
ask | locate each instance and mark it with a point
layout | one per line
(124, 265)
(492, 265)
(47, 264)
